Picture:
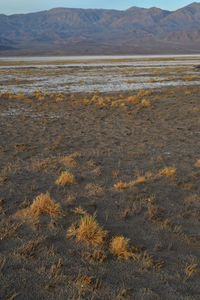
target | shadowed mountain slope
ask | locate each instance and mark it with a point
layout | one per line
(69, 31)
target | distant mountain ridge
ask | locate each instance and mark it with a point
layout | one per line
(70, 31)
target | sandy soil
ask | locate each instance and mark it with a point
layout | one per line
(151, 147)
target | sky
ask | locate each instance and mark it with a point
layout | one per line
(24, 6)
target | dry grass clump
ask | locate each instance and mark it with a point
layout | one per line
(88, 282)
(145, 103)
(96, 170)
(11, 95)
(142, 93)
(139, 180)
(193, 199)
(88, 231)
(85, 281)
(154, 212)
(69, 160)
(44, 205)
(20, 96)
(92, 164)
(196, 108)
(59, 99)
(119, 247)
(101, 102)
(46, 164)
(187, 92)
(66, 178)
(191, 78)
(115, 173)
(190, 271)
(98, 100)
(147, 261)
(189, 187)
(197, 164)
(168, 171)
(132, 99)
(152, 80)
(41, 98)
(79, 211)
(114, 104)
(123, 105)
(120, 186)
(98, 256)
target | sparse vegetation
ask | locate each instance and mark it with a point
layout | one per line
(197, 164)
(97, 257)
(123, 188)
(168, 172)
(69, 160)
(66, 178)
(190, 271)
(119, 247)
(44, 205)
(88, 231)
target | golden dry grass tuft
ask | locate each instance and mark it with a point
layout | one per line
(98, 256)
(147, 261)
(187, 92)
(154, 212)
(197, 164)
(79, 211)
(69, 160)
(20, 96)
(145, 103)
(41, 98)
(119, 247)
(168, 171)
(59, 99)
(190, 271)
(92, 164)
(88, 231)
(132, 99)
(66, 178)
(120, 186)
(84, 281)
(44, 205)
(139, 180)
(87, 282)
(114, 104)
(193, 199)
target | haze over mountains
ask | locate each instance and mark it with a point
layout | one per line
(68, 31)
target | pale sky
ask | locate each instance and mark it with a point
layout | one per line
(25, 6)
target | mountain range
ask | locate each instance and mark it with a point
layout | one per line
(70, 31)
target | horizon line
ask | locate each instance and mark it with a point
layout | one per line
(43, 10)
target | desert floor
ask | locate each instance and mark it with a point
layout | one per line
(133, 167)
